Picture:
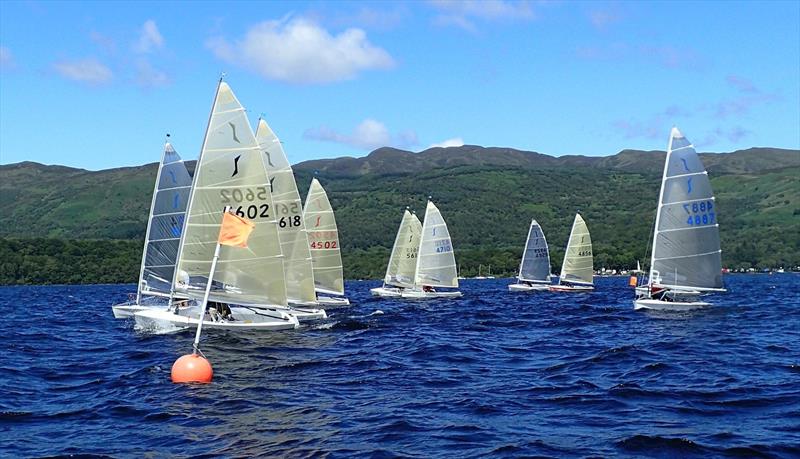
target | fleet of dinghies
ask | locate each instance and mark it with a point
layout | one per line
(291, 264)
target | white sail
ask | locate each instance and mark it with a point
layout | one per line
(403, 260)
(289, 212)
(535, 265)
(323, 240)
(164, 225)
(436, 263)
(578, 262)
(686, 249)
(231, 171)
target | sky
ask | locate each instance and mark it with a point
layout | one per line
(97, 85)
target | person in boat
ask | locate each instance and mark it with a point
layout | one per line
(223, 309)
(427, 289)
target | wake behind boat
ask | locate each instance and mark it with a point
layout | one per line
(686, 259)
(577, 271)
(436, 263)
(534, 269)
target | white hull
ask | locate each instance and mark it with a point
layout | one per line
(386, 292)
(528, 288)
(333, 301)
(658, 305)
(126, 311)
(571, 288)
(421, 294)
(264, 319)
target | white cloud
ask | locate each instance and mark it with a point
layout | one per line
(460, 13)
(149, 39)
(90, 71)
(368, 135)
(454, 142)
(6, 58)
(149, 77)
(300, 51)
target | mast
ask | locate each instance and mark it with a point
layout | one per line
(191, 193)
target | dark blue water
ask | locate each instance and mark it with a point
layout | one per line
(491, 374)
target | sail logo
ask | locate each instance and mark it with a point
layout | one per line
(176, 201)
(233, 131)
(236, 166)
(172, 175)
(269, 159)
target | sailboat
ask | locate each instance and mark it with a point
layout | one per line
(686, 259)
(403, 260)
(480, 276)
(289, 212)
(326, 256)
(164, 227)
(436, 263)
(534, 269)
(248, 287)
(577, 271)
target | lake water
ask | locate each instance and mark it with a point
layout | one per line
(493, 373)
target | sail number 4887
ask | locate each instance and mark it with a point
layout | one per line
(700, 213)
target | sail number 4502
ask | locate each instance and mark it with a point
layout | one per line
(700, 213)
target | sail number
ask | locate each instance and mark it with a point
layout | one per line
(252, 211)
(323, 245)
(585, 253)
(539, 253)
(443, 246)
(411, 253)
(700, 213)
(242, 195)
(323, 240)
(289, 222)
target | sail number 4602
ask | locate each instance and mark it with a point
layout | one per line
(700, 213)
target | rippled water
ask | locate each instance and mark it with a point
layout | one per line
(492, 373)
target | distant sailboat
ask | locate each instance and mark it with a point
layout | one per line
(248, 288)
(326, 256)
(403, 259)
(480, 275)
(534, 269)
(289, 212)
(436, 263)
(164, 227)
(577, 271)
(686, 258)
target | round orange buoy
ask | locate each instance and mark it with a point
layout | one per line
(192, 368)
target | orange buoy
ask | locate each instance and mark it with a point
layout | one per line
(632, 281)
(192, 368)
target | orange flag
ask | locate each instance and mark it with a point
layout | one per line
(235, 230)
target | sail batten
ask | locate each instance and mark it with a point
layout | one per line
(535, 264)
(230, 161)
(436, 264)
(686, 247)
(164, 224)
(323, 237)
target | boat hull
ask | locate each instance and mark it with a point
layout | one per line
(386, 292)
(571, 288)
(659, 305)
(421, 294)
(264, 320)
(528, 288)
(126, 311)
(333, 301)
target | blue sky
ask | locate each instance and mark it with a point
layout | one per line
(98, 84)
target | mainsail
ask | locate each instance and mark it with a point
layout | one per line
(324, 241)
(164, 225)
(403, 261)
(289, 212)
(231, 171)
(535, 265)
(686, 249)
(436, 263)
(578, 262)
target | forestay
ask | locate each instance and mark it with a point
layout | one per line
(164, 225)
(403, 261)
(686, 248)
(436, 263)
(231, 172)
(288, 211)
(578, 261)
(535, 265)
(323, 240)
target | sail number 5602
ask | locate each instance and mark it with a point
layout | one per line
(242, 195)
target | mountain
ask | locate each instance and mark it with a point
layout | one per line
(487, 195)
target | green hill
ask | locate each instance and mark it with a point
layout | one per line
(487, 195)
